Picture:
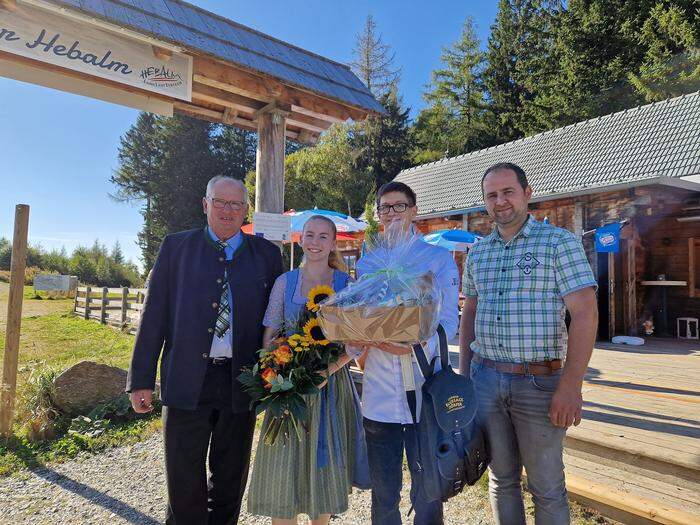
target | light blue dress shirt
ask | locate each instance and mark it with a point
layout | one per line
(383, 392)
(221, 346)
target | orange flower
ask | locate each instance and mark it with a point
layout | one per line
(283, 355)
(268, 376)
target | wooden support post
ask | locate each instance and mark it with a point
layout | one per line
(611, 295)
(103, 305)
(86, 313)
(14, 319)
(691, 267)
(125, 299)
(578, 219)
(630, 301)
(291, 255)
(269, 165)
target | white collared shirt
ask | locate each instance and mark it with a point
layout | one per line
(383, 392)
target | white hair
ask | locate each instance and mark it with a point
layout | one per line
(214, 180)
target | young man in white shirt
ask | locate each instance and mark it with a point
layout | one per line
(387, 418)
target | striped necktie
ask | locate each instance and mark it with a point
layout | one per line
(223, 319)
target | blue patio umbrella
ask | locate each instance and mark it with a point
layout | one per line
(343, 223)
(453, 240)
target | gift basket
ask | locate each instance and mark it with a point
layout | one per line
(395, 300)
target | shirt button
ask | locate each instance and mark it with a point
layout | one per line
(503, 270)
(214, 305)
(219, 281)
(205, 356)
(500, 293)
(221, 259)
(500, 345)
(507, 247)
(498, 318)
(210, 330)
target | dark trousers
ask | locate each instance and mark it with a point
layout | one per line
(227, 437)
(385, 446)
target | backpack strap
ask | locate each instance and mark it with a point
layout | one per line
(428, 368)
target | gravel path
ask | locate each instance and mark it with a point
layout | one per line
(127, 485)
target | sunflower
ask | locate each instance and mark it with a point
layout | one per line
(314, 333)
(318, 294)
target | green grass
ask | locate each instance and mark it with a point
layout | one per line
(51, 340)
(59, 340)
(19, 453)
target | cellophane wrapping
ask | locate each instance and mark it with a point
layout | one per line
(394, 301)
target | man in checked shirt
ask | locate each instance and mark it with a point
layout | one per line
(518, 282)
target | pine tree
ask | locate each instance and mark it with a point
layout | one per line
(455, 120)
(671, 64)
(167, 162)
(520, 65)
(382, 143)
(374, 60)
(117, 255)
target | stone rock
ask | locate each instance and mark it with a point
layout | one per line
(85, 385)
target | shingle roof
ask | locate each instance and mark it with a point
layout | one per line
(195, 29)
(656, 140)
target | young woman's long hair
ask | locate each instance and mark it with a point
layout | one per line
(335, 260)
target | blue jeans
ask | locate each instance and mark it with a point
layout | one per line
(513, 410)
(385, 446)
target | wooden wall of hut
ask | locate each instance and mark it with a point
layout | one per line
(653, 242)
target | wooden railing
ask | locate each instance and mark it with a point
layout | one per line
(120, 307)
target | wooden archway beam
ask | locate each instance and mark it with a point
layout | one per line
(10, 5)
(266, 89)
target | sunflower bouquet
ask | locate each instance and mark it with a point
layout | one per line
(291, 367)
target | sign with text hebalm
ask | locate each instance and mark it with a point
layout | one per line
(272, 226)
(47, 37)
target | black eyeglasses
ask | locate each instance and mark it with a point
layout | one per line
(220, 204)
(399, 207)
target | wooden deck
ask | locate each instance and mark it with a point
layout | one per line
(636, 455)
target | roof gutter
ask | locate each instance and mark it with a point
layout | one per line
(690, 183)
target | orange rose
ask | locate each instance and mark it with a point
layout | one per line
(268, 376)
(283, 355)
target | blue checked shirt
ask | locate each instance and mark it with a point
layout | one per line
(520, 286)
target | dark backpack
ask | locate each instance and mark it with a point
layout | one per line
(452, 450)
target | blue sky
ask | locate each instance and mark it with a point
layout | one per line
(57, 150)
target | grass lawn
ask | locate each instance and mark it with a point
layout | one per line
(52, 339)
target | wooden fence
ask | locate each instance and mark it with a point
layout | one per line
(120, 307)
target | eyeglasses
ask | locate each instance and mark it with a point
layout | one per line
(399, 207)
(220, 204)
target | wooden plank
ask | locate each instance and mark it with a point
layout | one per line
(135, 306)
(103, 305)
(212, 95)
(629, 443)
(124, 306)
(18, 263)
(674, 491)
(630, 299)
(267, 89)
(87, 302)
(611, 295)
(691, 267)
(10, 5)
(211, 115)
(48, 75)
(593, 491)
